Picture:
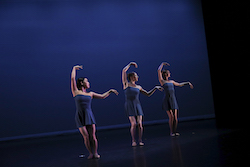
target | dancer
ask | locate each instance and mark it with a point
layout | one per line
(84, 117)
(169, 101)
(132, 104)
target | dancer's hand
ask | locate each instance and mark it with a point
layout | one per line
(159, 88)
(134, 64)
(191, 86)
(165, 63)
(114, 91)
(77, 67)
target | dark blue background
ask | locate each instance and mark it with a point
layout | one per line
(41, 41)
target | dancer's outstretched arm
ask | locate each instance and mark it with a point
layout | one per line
(183, 83)
(73, 79)
(124, 74)
(149, 93)
(161, 80)
(104, 95)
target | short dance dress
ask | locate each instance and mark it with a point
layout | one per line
(169, 100)
(132, 103)
(84, 115)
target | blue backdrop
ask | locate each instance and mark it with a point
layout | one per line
(41, 41)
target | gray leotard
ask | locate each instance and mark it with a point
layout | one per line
(84, 115)
(169, 100)
(132, 103)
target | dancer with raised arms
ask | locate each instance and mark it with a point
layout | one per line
(132, 103)
(84, 117)
(169, 101)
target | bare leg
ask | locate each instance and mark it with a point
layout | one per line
(175, 122)
(85, 135)
(140, 129)
(171, 121)
(132, 129)
(92, 129)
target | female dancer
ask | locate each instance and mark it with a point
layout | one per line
(132, 104)
(169, 101)
(84, 117)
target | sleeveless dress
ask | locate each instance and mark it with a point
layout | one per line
(84, 115)
(169, 99)
(132, 103)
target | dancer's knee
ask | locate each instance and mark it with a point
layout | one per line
(170, 114)
(140, 125)
(84, 133)
(133, 124)
(93, 137)
(86, 140)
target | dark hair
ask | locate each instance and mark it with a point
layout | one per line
(163, 73)
(130, 75)
(78, 82)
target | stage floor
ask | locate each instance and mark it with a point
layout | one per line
(200, 144)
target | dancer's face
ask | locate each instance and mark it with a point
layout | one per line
(167, 74)
(136, 77)
(86, 83)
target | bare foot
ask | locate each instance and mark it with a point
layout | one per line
(134, 144)
(97, 156)
(172, 134)
(141, 143)
(90, 156)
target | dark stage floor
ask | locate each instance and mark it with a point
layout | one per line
(199, 145)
